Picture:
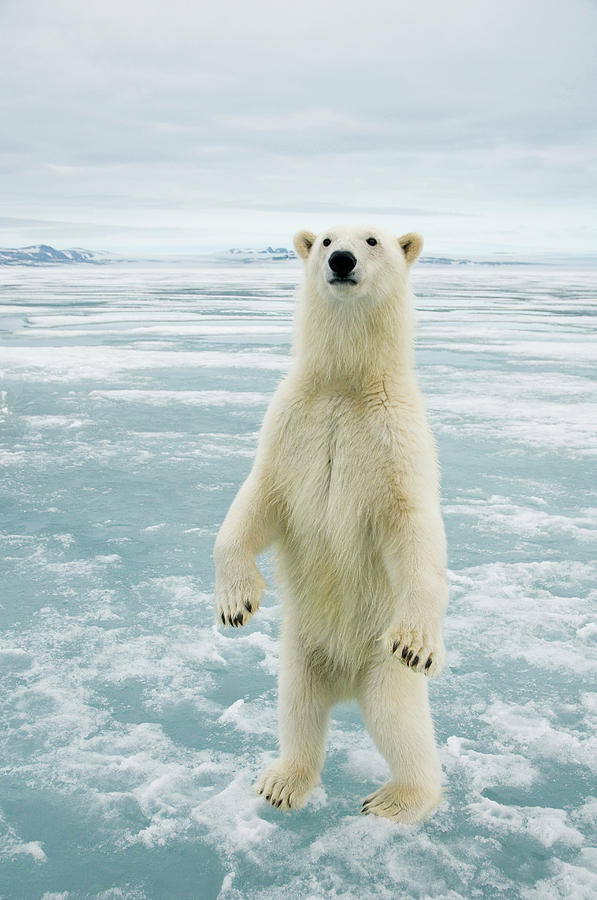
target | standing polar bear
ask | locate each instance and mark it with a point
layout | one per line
(345, 482)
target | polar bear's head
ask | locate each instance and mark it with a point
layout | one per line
(355, 316)
(350, 262)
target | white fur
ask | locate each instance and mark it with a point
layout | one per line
(345, 482)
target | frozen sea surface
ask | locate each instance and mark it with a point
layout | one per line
(132, 728)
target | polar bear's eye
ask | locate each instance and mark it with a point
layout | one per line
(372, 242)
(326, 242)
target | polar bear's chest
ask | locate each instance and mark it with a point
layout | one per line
(334, 466)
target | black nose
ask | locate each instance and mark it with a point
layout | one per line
(342, 262)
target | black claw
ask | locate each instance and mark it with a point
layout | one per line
(395, 646)
(248, 606)
(409, 656)
(279, 803)
(415, 661)
(230, 622)
(428, 663)
(223, 618)
(404, 652)
(267, 796)
(239, 619)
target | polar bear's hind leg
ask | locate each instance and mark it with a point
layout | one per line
(304, 702)
(395, 707)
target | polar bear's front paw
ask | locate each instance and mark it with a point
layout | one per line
(421, 649)
(238, 600)
(400, 803)
(286, 786)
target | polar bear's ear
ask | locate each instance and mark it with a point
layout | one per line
(303, 241)
(411, 244)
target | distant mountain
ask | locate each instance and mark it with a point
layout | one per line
(442, 261)
(281, 253)
(249, 255)
(44, 255)
(449, 261)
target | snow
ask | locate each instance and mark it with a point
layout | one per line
(132, 728)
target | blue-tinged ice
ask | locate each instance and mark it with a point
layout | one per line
(132, 728)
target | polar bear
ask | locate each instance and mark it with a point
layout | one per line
(345, 484)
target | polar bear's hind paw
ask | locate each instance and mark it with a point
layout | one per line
(400, 803)
(285, 787)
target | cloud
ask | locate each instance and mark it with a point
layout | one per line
(147, 111)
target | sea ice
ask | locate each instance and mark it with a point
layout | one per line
(132, 727)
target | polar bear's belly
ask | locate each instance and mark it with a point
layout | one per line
(335, 492)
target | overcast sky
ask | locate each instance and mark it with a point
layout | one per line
(182, 126)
